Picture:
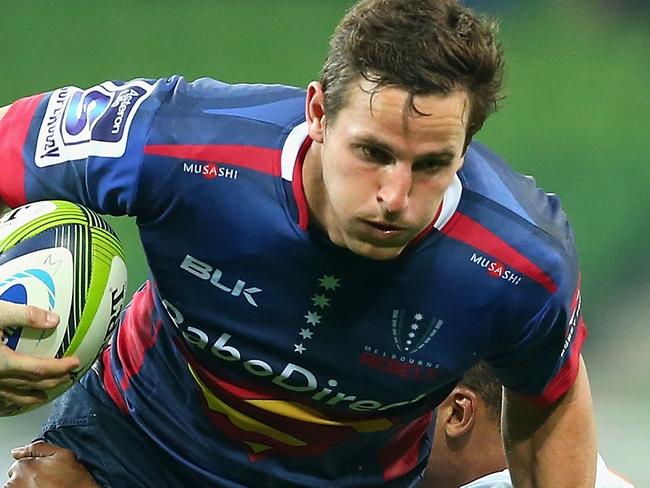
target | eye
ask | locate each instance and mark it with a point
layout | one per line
(375, 154)
(431, 165)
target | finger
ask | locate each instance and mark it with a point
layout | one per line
(8, 409)
(23, 398)
(38, 448)
(43, 385)
(13, 364)
(13, 314)
(21, 475)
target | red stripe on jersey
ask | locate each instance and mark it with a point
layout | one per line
(110, 386)
(401, 455)
(136, 334)
(298, 188)
(464, 229)
(260, 159)
(14, 127)
(564, 378)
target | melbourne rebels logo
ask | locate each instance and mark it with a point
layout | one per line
(412, 331)
(30, 285)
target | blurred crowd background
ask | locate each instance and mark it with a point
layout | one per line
(577, 116)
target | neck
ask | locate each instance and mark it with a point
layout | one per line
(487, 455)
(465, 460)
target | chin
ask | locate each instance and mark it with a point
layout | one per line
(372, 251)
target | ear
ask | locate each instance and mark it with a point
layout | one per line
(315, 111)
(462, 415)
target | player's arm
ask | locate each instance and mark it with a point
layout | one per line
(551, 446)
(24, 379)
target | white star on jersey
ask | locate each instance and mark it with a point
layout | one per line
(306, 333)
(313, 318)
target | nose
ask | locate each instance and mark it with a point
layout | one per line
(395, 188)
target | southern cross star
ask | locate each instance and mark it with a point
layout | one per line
(329, 282)
(313, 318)
(306, 333)
(320, 301)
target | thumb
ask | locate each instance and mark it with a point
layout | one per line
(16, 315)
(35, 449)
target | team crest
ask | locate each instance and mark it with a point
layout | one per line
(412, 331)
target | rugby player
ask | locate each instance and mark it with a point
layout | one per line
(325, 264)
(467, 451)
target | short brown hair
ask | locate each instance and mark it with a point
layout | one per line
(481, 379)
(422, 46)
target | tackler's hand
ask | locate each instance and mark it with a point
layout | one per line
(25, 379)
(43, 465)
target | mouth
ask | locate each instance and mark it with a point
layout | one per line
(383, 229)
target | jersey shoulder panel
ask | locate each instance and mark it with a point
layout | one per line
(505, 213)
(490, 177)
(209, 111)
(208, 129)
(515, 231)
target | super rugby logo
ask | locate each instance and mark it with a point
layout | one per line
(209, 170)
(495, 269)
(94, 122)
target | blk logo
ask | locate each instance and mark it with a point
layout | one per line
(206, 272)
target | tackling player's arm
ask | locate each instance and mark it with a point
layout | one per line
(47, 466)
(550, 446)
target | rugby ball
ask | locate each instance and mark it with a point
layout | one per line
(63, 257)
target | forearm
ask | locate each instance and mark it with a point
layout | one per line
(552, 446)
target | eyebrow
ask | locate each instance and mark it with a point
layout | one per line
(444, 155)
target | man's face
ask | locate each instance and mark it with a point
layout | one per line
(384, 167)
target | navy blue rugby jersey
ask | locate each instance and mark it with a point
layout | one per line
(260, 354)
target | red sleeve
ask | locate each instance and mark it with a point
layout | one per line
(14, 127)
